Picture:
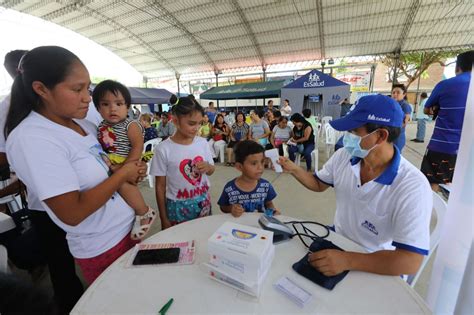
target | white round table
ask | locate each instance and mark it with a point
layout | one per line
(144, 290)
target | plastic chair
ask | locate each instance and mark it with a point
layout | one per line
(439, 206)
(4, 260)
(330, 138)
(150, 144)
(6, 224)
(315, 153)
(13, 202)
(325, 121)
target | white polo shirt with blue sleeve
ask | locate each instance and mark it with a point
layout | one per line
(391, 211)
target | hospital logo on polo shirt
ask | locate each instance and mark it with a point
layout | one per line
(369, 226)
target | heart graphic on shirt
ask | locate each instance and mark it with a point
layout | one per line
(189, 170)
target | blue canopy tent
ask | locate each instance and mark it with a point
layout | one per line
(317, 91)
(149, 95)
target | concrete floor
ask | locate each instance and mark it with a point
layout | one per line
(293, 199)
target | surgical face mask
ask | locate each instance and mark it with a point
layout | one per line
(352, 145)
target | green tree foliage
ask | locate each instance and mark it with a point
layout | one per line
(414, 64)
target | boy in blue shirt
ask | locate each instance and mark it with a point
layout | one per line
(248, 192)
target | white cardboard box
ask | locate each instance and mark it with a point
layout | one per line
(253, 288)
(243, 252)
(242, 271)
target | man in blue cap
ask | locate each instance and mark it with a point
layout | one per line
(383, 202)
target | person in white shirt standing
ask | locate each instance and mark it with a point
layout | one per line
(55, 152)
(383, 202)
(421, 119)
(286, 108)
(67, 286)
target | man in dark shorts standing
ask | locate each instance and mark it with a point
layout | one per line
(448, 103)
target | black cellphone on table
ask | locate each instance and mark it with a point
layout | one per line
(157, 256)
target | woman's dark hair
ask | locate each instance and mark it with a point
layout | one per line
(424, 95)
(276, 114)
(49, 65)
(217, 118)
(184, 106)
(393, 132)
(306, 112)
(282, 118)
(245, 148)
(400, 86)
(12, 60)
(237, 115)
(287, 100)
(297, 117)
(113, 87)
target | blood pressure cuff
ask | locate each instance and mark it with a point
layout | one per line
(304, 268)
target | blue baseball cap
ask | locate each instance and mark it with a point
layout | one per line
(377, 109)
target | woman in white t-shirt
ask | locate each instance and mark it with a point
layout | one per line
(182, 164)
(286, 108)
(55, 152)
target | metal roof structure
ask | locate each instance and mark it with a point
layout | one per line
(168, 38)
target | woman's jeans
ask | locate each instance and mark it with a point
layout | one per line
(301, 149)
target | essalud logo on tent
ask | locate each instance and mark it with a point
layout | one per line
(313, 81)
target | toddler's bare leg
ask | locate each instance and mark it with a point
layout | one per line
(132, 195)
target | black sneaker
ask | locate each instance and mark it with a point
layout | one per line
(418, 141)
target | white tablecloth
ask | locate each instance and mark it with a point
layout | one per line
(143, 290)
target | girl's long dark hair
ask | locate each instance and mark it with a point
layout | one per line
(47, 64)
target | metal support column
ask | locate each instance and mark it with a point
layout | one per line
(395, 66)
(417, 107)
(372, 77)
(177, 80)
(217, 83)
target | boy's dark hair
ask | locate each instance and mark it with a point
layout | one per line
(185, 106)
(393, 132)
(276, 114)
(464, 61)
(245, 148)
(307, 113)
(259, 112)
(12, 59)
(270, 102)
(400, 86)
(424, 95)
(113, 87)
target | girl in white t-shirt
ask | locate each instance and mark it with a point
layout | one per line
(55, 152)
(181, 165)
